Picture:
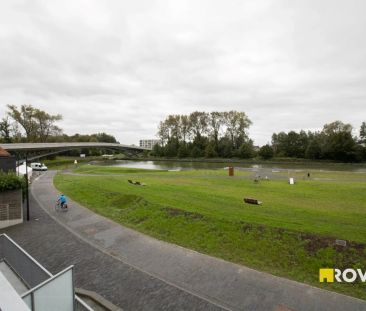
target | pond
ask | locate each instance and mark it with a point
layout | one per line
(193, 165)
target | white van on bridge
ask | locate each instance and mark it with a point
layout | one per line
(38, 167)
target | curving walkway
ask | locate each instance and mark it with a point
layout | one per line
(138, 272)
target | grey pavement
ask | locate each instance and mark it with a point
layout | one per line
(210, 280)
(56, 248)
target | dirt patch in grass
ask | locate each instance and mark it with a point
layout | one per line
(312, 243)
(138, 220)
(315, 243)
(176, 212)
(258, 229)
(122, 201)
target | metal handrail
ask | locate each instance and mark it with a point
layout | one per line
(46, 282)
(26, 254)
(79, 300)
(51, 277)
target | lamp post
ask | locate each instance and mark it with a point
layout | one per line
(26, 185)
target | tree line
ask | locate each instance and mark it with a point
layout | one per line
(334, 142)
(202, 134)
(29, 124)
(225, 134)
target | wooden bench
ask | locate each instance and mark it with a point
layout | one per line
(136, 183)
(252, 201)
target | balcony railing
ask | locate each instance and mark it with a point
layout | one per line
(46, 291)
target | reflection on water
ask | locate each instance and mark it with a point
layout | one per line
(177, 165)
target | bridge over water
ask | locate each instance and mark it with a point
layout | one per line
(33, 151)
(25, 152)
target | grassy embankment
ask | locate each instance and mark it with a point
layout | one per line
(63, 163)
(292, 234)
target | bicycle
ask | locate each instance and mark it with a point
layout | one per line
(59, 208)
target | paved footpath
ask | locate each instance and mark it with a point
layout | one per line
(138, 272)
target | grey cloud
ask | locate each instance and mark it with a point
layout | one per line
(121, 66)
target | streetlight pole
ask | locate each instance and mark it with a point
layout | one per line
(26, 185)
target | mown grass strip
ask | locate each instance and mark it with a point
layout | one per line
(291, 235)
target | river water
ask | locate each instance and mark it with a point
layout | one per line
(183, 165)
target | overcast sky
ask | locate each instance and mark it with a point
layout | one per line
(122, 66)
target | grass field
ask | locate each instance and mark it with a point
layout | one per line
(292, 234)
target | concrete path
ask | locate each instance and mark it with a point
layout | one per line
(56, 248)
(213, 281)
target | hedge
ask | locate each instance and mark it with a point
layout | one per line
(10, 181)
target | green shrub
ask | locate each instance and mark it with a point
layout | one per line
(266, 152)
(10, 181)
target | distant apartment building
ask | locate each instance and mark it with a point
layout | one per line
(148, 143)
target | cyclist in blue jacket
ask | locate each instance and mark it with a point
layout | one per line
(63, 201)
